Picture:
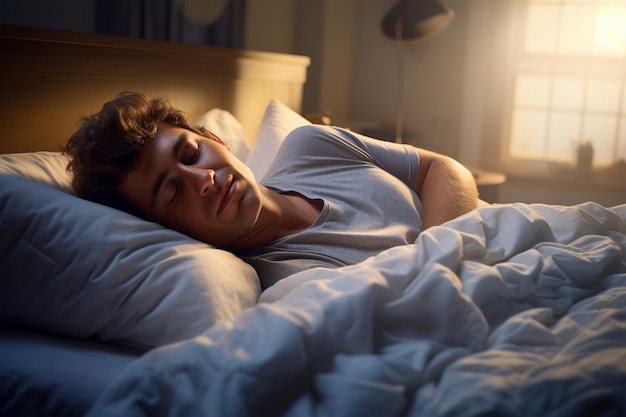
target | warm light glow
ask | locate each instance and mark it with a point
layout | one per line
(610, 33)
(571, 82)
(541, 32)
(576, 27)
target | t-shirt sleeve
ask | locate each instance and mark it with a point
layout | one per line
(332, 145)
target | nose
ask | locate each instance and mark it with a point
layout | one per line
(200, 180)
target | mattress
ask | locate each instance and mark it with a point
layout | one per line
(43, 374)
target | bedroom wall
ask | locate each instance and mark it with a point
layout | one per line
(353, 71)
(353, 74)
(449, 87)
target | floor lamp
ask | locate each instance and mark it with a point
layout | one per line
(412, 21)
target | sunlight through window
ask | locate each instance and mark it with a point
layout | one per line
(610, 31)
(570, 81)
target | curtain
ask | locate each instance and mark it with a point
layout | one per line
(173, 20)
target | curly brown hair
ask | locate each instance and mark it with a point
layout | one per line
(106, 146)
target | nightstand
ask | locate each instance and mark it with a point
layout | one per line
(488, 183)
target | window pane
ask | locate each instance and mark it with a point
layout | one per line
(541, 30)
(532, 90)
(576, 29)
(610, 31)
(570, 85)
(528, 133)
(568, 93)
(563, 135)
(603, 95)
(600, 131)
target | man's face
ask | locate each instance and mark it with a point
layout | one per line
(195, 185)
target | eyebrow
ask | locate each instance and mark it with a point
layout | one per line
(161, 178)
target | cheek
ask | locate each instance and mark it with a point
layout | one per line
(252, 203)
(186, 218)
(239, 166)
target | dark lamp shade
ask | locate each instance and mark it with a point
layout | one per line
(416, 20)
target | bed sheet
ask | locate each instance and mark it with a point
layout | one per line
(512, 310)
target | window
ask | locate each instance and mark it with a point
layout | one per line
(570, 82)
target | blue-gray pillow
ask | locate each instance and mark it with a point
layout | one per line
(81, 269)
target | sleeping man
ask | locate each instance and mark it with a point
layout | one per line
(330, 198)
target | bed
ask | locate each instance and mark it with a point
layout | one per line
(510, 310)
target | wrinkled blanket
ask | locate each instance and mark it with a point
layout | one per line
(511, 310)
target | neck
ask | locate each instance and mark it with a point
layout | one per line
(282, 214)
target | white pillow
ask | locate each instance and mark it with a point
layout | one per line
(227, 127)
(81, 269)
(45, 167)
(277, 122)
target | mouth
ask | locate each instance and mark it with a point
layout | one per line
(227, 194)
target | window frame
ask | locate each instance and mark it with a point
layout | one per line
(520, 62)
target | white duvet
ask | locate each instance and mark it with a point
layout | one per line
(513, 310)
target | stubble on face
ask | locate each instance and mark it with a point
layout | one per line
(219, 218)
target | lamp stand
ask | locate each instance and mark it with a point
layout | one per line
(399, 82)
(412, 21)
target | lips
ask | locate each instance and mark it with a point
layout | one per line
(227, 194)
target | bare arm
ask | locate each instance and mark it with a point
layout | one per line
(447, 189)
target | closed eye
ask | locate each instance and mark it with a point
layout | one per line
(174, 193)
(192, 159)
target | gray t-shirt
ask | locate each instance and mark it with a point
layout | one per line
(365, 185)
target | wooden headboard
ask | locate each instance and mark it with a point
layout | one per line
(49, 79)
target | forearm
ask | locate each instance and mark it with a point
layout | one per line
(447, 190)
